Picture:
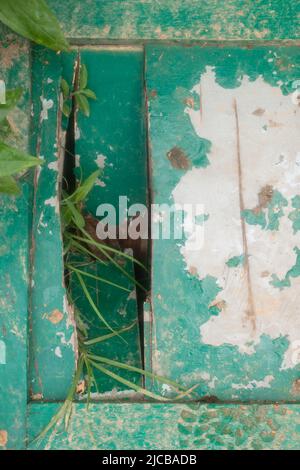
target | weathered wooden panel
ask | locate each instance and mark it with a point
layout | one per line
(168, 426)
(52, 336)
(14, 260)
(112, 138)
(177, 19)
(224, 129)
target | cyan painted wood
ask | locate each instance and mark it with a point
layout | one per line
(205, 329)
(52, 341)
(170, 426)
(178, 20)
(15, 217)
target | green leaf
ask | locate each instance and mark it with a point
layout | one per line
(89, 93)
(35, 21)
(14, 161)
(66, 109)
(83, 77)
(83, 190)
(8, 185)
(77, 217)
(12, 97)
(83, 104)
(65, 88)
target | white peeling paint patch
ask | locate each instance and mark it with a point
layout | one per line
(41, 222)
(2, 352)
(53, 202)
(77, 161)
(58, 352)
(267, 158)
(100, 183)
(165, 389)
(100, 160)
(265, 383)
(53, 166)
(77, 132)
(46, 105)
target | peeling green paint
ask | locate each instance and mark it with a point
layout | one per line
(235, 261)
(267, 217)
(294, 216)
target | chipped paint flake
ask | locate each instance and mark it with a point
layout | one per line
(53, 202)
(2, 352)
(46, 105)
(53, 165)
(265, 383)
(100, 160)
(58, 352)
(55, 317)
(3, 438)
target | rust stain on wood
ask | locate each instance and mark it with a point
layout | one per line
(178, 159)
(55, 317)
(3, 438)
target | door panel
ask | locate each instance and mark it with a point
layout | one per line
(224, 134)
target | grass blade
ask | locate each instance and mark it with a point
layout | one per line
(99, 339)
(129, 384)
(92, 303)
(97, 278)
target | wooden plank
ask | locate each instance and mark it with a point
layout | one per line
(112, 138)
(52, 336)
(14, 258)
(169, 426)
(177, 20)
(224, 135)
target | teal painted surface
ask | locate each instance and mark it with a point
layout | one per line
(52, 339)
(183, 303)
(176, 426)
(119, 308)
(112, 138)
(177, 20)
(14, 263)
(165, 427)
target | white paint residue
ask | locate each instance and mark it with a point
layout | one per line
(53, 166)
(77, 132)
(100, 183)
(53, 202)
(77, 161)
(267, 158)
(58, 352)
(100, 160)
(165, 389)
(46, 105)
(265, 383)
(2, 352)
